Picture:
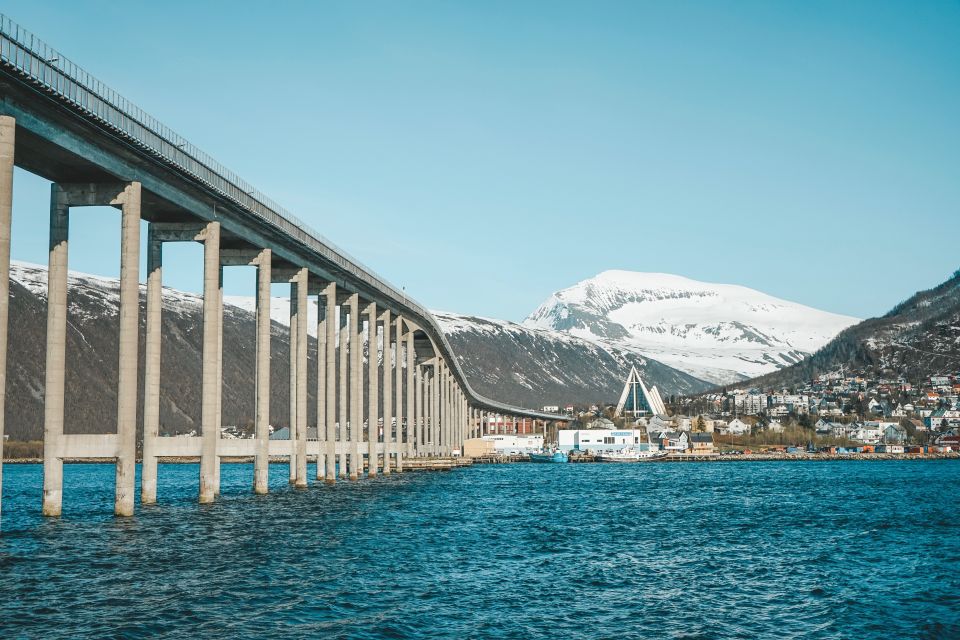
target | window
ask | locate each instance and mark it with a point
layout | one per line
(608, 440)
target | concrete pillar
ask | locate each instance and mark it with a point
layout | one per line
(7, 135)
(398, 394)
(344, 340)
(293, 399)
(434, 408)
(330, 358)
(438, 427)
(219, 420)
(261, 463)
(387, 393)
(423, 409)
(151, 370)
(126, 473)
(444, 408)
(356, 388)
(56, 353)
(212, 319)
(302, 284)
(373, 389)
(447, 411)
(428, 412)
(321, 386)
(414, 408)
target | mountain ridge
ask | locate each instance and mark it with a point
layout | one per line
(917, 338)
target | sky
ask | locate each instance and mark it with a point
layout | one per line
(483, 155)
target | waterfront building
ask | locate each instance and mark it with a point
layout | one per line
(701, 443)
(601, 439)
(673, 440)
(504, 444)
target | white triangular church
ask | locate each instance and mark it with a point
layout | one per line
(636, 400)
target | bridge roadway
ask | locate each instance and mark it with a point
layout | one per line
(97, 149)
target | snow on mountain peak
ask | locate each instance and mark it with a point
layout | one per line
(718, 332)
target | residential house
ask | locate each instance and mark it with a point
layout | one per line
(894, 433)
(701, 443)
(673, 440)
(736, 427)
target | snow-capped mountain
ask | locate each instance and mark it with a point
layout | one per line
(717, 332)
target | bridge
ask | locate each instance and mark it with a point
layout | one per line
(98, 149)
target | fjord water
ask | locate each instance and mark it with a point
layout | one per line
(698, 550)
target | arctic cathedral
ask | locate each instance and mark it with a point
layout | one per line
(637, 401)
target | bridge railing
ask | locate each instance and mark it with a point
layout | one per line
(46, 68)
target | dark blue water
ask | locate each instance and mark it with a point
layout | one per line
(734, 550)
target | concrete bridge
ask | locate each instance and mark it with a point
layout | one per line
(97, 148)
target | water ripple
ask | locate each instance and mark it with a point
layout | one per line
(859, 550)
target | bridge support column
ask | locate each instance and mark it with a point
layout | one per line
(56, 353)
(388, 412)
(450, 415)
(414, 406)
(398, 394)
(373, 389)
(356, 388)
(126, 196)
(129, 344)
(261, 463)
(435, 416)
(212, 319)
(330, 362)
(344, 339)
(321, 386)
(294, 333)
(443, 415)
(151, 369)
(299, 391)
(7, 146)
(219, 418)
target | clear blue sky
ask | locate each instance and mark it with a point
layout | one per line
(486, 154)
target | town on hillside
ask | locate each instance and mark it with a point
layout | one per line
(833, 414)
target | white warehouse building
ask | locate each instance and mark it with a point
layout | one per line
(602, 439)
(515, 444)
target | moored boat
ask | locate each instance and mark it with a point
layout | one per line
(631, 455)
(555, 456)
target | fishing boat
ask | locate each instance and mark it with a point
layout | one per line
(631, 455)
(554, 456)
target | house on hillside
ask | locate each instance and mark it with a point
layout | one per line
(736, 427)
(701, 443)
(894, 434)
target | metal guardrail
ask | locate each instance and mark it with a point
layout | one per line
(44, 66)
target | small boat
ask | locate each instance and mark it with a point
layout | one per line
(555, 456)
(631, 455)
